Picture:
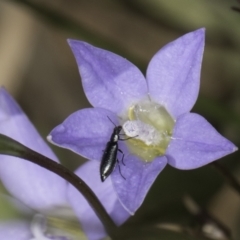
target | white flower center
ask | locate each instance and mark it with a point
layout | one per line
(150, 126)
(142, 131)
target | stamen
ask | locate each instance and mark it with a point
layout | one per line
(39, 227)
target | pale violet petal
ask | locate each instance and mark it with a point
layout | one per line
(109, 80)
(196, 143)
(35, 186)
(85, 132)
(135, 180)
(15, 230)
(173, 74)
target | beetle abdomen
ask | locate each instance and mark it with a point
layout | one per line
(109, 160)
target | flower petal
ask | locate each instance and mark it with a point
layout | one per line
(196, 143)
(92, 226)
(109, 80)
(85, 132)
(15, 230)
(33, 185)
(173, 74)
(139, 177)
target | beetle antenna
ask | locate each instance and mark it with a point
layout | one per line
(111, 121)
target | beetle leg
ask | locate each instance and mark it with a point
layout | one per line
(124, 139)
(120, 170)
(122, 156)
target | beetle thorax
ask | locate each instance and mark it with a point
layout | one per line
(115, 134)
(115, 138)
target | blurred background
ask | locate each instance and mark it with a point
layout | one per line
(37, 67)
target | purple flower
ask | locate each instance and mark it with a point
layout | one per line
(45, 198)
(153, 110)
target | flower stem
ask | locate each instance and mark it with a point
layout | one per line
(227, 175)
(11, 147)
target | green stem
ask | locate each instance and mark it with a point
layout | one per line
(227, 175)
(11, 147)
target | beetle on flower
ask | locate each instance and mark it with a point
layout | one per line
(155, 108)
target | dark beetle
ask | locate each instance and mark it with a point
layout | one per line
(109, 158)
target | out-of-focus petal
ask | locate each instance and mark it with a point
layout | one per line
(15, 206)
(139, 177)
(36, 187)
(196, 143)
(90, 173)
(173, 74)
(85, 132)
(15, 230)
(109, 80)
